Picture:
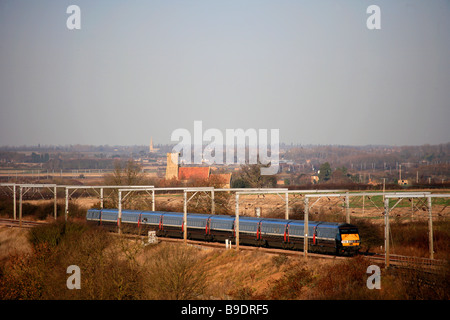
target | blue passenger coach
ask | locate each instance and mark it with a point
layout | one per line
(331, 237)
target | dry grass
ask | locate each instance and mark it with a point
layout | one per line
(240, 275)
(33, 266)
(41, 273)
(13, 241)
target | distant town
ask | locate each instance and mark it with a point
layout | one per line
(301, 166)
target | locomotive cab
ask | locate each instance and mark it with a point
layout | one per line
(348, 239)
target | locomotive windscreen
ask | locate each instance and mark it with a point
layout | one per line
(348, 230)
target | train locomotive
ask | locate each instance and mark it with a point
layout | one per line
(322, 237)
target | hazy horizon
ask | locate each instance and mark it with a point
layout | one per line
(139, 70)
(174, 143)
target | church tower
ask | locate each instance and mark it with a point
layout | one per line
(172, 165)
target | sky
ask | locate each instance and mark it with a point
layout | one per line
(143, 68)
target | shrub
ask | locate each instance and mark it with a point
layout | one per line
(20, 280)
(290, 285)
(415, 284)
(372, 235)
(53, 233)
(243, 293)
(177, 273)
(415, 235)
(279, 260)
(344, 280)
(41, 211)
(105, 273)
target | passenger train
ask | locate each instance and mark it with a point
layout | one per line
(323, 237)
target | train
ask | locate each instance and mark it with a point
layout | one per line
(323, 237)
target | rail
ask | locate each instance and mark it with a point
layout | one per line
(20, 224)
(410, 260)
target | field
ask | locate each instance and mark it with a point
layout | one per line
(112, 267)
(33, 262)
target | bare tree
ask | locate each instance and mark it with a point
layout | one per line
(125, 175)
(250, 176)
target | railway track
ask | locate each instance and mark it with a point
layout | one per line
(218, 245)
(395, 260)
(20, 223)
(409, 261)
